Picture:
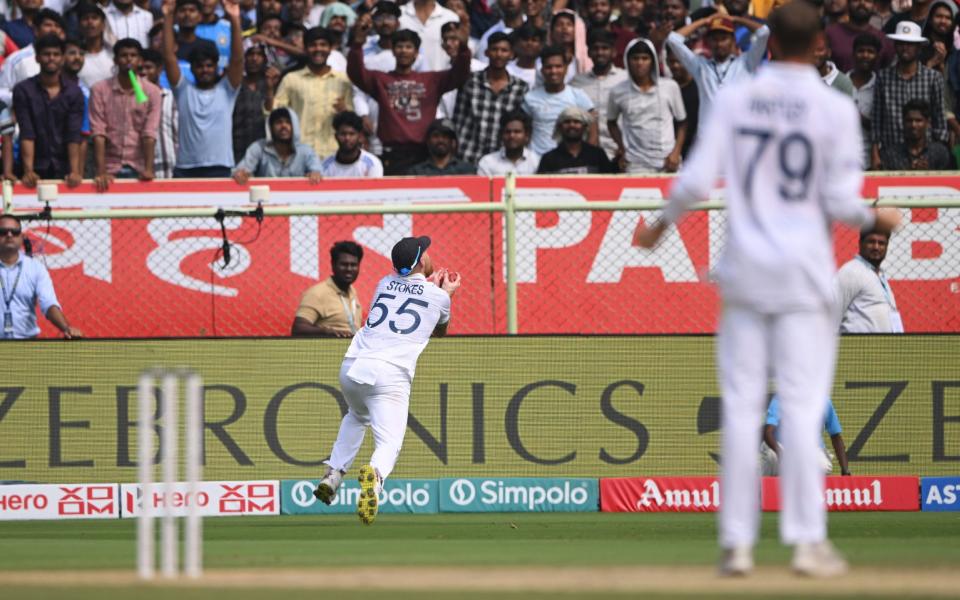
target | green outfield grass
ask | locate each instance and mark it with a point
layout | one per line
(894, 540)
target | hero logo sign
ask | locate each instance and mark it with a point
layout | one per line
(87, 500)
(242, 498)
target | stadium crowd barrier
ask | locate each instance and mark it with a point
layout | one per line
(146, 259)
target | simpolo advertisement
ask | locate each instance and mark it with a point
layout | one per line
(418, 496)
(480, 407)
(519, 494)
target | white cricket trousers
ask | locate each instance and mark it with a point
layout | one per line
(381, 404)
(799, 349)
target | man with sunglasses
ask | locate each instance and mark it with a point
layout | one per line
(24, 282)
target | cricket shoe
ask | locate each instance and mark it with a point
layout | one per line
(820, 559)
(329, 485)
(369, 501)
(736, 562)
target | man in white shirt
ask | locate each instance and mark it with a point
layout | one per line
(350, 160)
(864, 296)
(545, 103)
(788, 148)
(410, 306)
(127, 20)
(513, 17)
(98, 53)
(426, 17)
(513, 156)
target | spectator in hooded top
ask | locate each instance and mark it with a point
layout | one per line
(205, 108)
(282, 155)
(654, 118)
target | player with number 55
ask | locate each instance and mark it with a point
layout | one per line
(410, 305)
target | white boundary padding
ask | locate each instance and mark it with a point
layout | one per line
(170, 381)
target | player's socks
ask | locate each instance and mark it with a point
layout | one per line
(328, 486)
(368, 503)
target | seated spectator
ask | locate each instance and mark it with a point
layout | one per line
(98, 54)
(26, 282)
(829, 72)
(332, 307)
(916, 152)
(866, 51)
(49, 110)
(573, 155)
(407, 100)
(206, 107)
(900, 83)
(600, 80)
(513, 156)
(484, 99)
(442, 147)
(350, 160)
(654, 118)
(282, 155)
(127, 20)
(22, 64)
(528, 42)
(124, 130)
(316, 92)
(165, 150)
(841, 36)
(545, 103)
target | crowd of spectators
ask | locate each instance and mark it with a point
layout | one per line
(149, 89)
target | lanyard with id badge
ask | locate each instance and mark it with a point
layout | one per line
(8, 300)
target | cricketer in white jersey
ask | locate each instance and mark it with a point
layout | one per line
(788, 148)
(409, 307)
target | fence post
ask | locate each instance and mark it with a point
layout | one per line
(511, 225)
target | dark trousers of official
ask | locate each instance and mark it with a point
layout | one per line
(202, 172)
(397, 159)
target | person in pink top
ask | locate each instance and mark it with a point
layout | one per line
(124, 130)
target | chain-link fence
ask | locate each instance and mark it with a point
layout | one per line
(577, 271)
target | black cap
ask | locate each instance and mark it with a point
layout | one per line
(386, 7)
(445, 126)
(406, 254)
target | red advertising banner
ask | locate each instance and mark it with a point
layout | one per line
(856, 493)
(660, 494)
(577, 272)
(212, 498)
(67, 501)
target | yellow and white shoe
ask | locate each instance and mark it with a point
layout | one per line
(369, 501)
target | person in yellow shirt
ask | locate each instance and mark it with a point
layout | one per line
(316, 93)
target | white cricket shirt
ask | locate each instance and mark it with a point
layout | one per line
(865, 299)
(788, 148)
(402, 316)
